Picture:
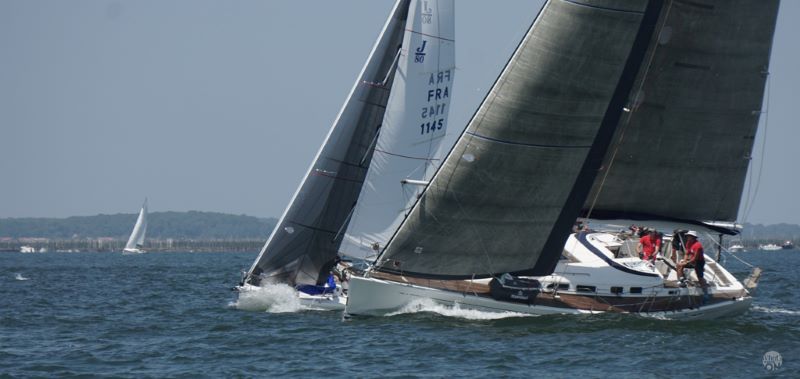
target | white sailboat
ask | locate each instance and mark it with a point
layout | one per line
(770, 247)
(391, 124)
(600, 113)
(737, 247)
(135, 243)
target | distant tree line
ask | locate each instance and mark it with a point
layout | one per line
(194, 225)
(161, 225)
(789, 232)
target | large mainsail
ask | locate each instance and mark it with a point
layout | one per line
(309, 232)
(683, 151)
(508, 193)
(413, 127)
(136, 240)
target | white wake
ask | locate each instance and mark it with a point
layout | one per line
(775, 310)
(428, 305)
(272, 298)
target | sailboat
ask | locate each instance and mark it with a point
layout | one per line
(136, 240)
(375, 136)
(605, 113)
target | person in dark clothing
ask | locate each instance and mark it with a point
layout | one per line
(326, 270)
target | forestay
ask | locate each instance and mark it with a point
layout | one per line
(510, 190)
(308, 235)
(413, 127)
(682, 152)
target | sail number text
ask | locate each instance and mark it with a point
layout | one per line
(439, 96)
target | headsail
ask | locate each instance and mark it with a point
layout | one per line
(136, 240)
(508, 193)
(413, 127)
(308, 234)
(682, 152)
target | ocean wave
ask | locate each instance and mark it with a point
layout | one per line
(455, 311)
(19, 276)
(272, 298)
(775, 310)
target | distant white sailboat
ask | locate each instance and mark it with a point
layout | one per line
(136, 240)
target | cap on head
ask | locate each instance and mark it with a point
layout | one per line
(692, 233)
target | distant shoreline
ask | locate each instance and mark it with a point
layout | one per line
(43, 245)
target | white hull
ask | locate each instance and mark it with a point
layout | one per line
(132, 251)
(332, 302)
(376, 297)
(328, 302)
(599, 277)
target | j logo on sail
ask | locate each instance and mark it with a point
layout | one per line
(419, 56)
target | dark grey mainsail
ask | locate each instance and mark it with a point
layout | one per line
(308, 235)
(508, 193)
(683, 152)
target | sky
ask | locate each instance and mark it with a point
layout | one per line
(221, 106)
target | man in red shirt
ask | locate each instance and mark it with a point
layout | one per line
(693, 259)
(649, 245)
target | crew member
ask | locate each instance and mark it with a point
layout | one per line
(694, 259)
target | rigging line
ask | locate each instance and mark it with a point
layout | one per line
(626, 123)
(372, 147)
(344, 223)
(385, 80)
(728, 252)
(752, 200)
(563, 273)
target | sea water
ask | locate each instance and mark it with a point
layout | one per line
(174, 315)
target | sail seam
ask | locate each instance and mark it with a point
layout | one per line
(601, 8)
(313, 228)
(334, 177)
(430, 35)
(405, 156)
(507, 142)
